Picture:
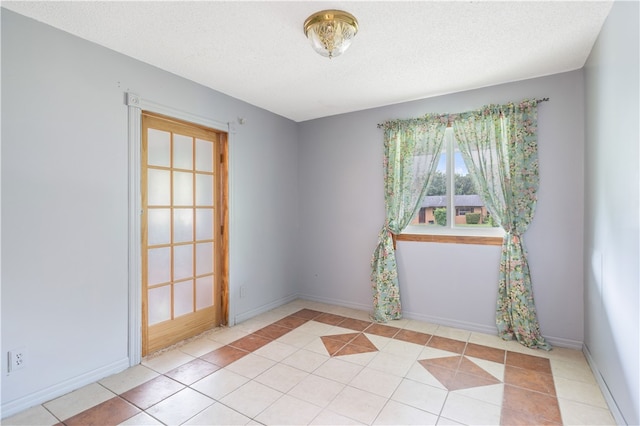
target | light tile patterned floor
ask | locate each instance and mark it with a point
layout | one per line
(312, 363)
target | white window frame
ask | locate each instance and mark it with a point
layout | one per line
(451, 229)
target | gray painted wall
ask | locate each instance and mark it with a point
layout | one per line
(611, 254)
(65, 203)
(342, 211)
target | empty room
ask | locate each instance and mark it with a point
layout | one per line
(309, 212)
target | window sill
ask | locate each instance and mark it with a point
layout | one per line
(454, 239)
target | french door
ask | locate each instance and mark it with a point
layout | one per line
(184, 230)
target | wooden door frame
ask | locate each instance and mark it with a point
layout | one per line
(136, 105)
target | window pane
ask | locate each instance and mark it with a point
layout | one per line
(433, 210)
(182, 152)
(182, 225)
(159, 226)
(470, 210)
(158, 148)
(159, 265)
(204, 224)
(183, 298)
(204, 155)
(182, 262)
(159, 187)
(159, 304)
(204, 292)
(182, 189)
(204, 190)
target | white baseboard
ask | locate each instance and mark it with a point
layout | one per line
(17, 405)
(262, 309)
(608, 397)
(337, 302)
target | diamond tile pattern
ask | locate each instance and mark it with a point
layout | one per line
(309, 363)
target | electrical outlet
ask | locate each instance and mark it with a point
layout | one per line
(242, 292)
(17, 359)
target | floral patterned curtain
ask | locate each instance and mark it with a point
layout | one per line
(411, 153)
(499, 146)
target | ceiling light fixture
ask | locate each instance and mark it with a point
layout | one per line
(330, 31)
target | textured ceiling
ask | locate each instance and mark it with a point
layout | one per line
(257, 52)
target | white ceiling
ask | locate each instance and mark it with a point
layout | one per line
(257, 52)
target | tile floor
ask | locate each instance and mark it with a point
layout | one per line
(312, 363)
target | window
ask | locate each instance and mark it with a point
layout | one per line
(452, 205)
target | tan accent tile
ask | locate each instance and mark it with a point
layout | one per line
(330, 319)
(530, 362)
(521, 418)
(466, 380)
(141, 419)
(224, 356)
(447, 344)
(445, 376)
(307, 314)
(355, 324)
(452, 362)
(470, 367)
(344, 338)
(413, 337)
(494, 368)
(493, 394)
(529, 379)
(250, 343)
(362, 341)
(272, 332)
(382, 330)
(152, 392)
(290, 322)
(532, 403)
(192, 371)
(352, 349)
(113, 411)
(332, 345)
(485, 352)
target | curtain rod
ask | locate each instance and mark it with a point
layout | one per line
(537, 101)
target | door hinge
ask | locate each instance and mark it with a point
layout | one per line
(222, 158)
